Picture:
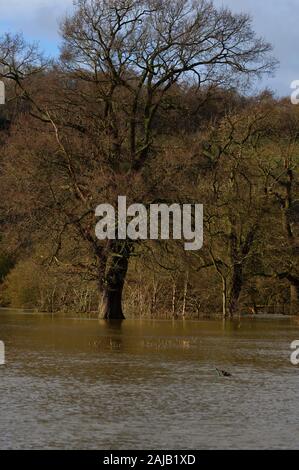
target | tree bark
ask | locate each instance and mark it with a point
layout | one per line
(294, 291)
(118, 263)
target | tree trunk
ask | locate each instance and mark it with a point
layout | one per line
(174, 314)
(112, 301)
(154, 297)
(235, 291)
(185, 295)
(224, 297)
(116, 272)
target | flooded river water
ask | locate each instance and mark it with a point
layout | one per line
(80, 384)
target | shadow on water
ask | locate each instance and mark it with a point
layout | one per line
(111, 335)
(113, 325)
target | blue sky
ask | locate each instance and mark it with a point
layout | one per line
(275, 20)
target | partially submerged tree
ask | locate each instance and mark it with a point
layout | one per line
(100, 108)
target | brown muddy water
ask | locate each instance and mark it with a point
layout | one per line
(79, 384)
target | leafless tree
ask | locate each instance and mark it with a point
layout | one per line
(120, 60)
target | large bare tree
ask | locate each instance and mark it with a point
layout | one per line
(119, 62)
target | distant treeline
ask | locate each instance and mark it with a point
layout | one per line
(238, 156)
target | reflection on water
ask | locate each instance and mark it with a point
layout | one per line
(84, 384)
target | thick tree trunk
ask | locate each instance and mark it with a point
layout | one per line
(112, 303)
(116, 272)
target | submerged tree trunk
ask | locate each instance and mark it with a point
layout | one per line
(116, 271)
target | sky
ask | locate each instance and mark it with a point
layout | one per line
(274, 20)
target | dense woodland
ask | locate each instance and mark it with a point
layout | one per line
(147, 100)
